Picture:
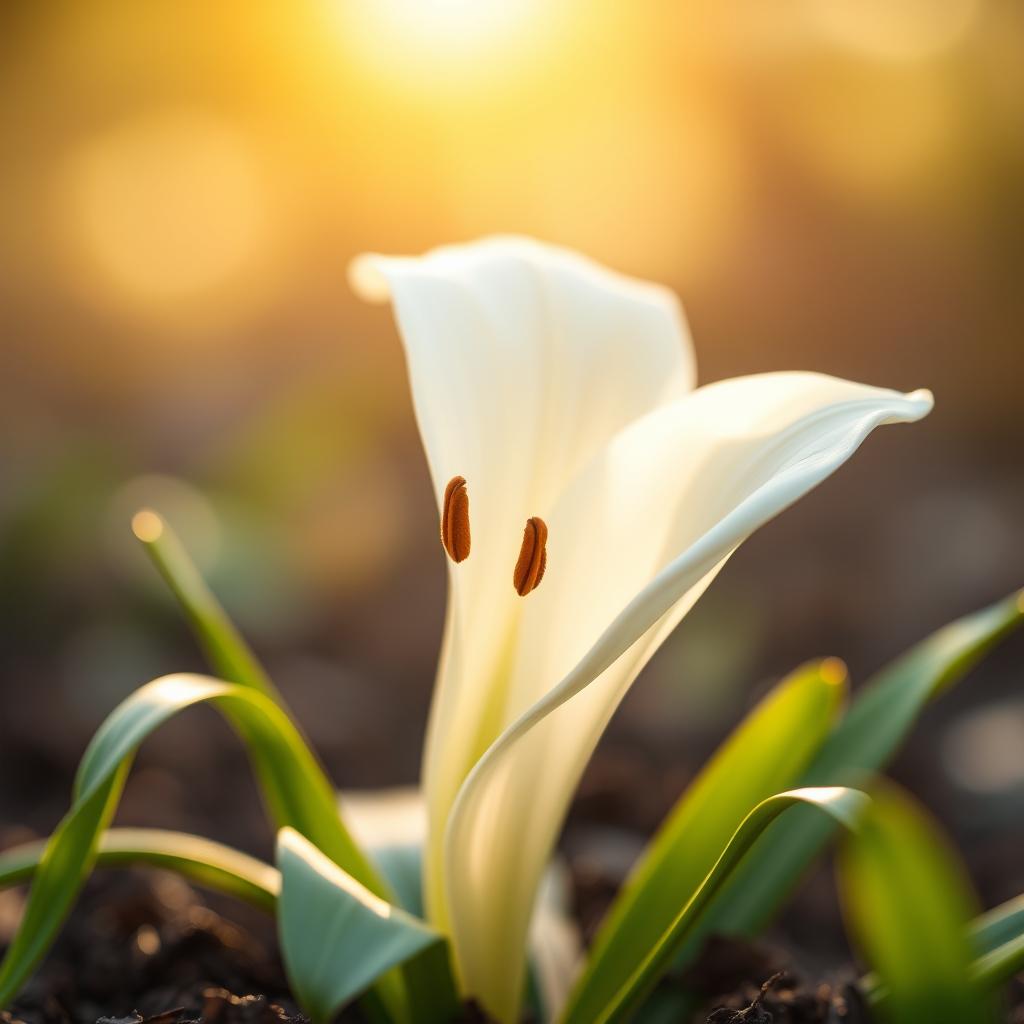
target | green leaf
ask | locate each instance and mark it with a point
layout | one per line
(296, 791)
(294, 787)
(337, 937)
(907, 903)
(227, 653)
(997, 926)
(999, 965)
(997, 941)
(842, 805)
(65, 863)
(765, 754)
(200, 860)
(865, 740)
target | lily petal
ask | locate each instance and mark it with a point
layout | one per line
(525, 360)
(634, 541)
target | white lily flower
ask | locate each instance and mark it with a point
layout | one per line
(563, 396)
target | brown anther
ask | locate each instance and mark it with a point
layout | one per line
(533, 557)
(455, 519)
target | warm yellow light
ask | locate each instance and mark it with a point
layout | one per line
(437, 43)
(455, 25)
(164, 211)
(895, 29)
(147, 526)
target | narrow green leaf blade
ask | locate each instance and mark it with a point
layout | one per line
(293, 784)
(764, 755)
(907, 903)
(226, 651)
(844, 806)
(67, 859)
(999, 965)
(337, 937)
(863, 743)
(202, 861)
(997, 926)
(296, 792)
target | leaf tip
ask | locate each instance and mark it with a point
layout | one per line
(833, 671)
(147, 526)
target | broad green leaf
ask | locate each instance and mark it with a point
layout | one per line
(202, 861)
(864, 741)
(228, 654)
(765, 755)
(844, 806)
(907, 904)
(337, 937)
(997, 943)
(295, 790)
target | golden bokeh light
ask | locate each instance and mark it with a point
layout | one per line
(874, 138)
(895, 29)
(165, 211)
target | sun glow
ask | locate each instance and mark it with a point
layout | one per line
(442, 43)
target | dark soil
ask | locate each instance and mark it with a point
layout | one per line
(145, 949)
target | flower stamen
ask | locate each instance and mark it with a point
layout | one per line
(533, 557)
(455, 519)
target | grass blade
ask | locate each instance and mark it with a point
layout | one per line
(844, 806)
(337, 937)
(997, 926)
(766, 754)
(907, 903)
(202, 861)
(864, 741)
(296, 791)
(999, 965)
(66, 861)
(230, 657)
(294, 787)
(226, 651)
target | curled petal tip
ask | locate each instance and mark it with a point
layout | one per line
(367, 279)
(923, 400)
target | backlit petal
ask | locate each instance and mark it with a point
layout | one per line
(634, 541)
(525, 360)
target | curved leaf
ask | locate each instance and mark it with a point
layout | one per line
(864, 741)
(296, 791)
(202, 861)
(907, 902)
(844, 806)
(337, 937)
(764, 755)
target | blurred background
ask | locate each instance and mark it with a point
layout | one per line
(832, 185)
